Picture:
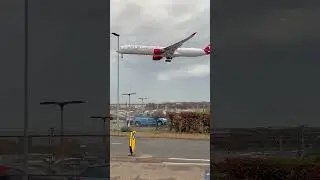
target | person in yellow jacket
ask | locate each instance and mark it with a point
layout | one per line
(132, 142)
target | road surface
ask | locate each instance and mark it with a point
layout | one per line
(155, 171)
(162, 148)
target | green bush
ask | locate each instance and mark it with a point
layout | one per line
(272, 168)
(7, 146)
(68, 147)
(315, 157)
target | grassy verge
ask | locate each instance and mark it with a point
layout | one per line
(161, 134)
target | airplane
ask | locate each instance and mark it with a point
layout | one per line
(168, 52)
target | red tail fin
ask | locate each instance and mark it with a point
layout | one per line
(207, 49)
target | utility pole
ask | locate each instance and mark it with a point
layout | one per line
(281, 143)
(61, 105)
(129, 96)
(51, 148)
(118, 78)
(103, 118)
(26, 93)
(302, 141)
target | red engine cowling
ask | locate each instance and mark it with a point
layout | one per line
(157, 51)
(156, 57)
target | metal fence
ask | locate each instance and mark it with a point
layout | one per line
(52, 155)
(293, 142)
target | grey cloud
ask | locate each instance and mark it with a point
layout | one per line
(68, 60)
(266, 66)
(167, 22)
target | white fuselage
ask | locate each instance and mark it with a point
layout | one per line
(149, 50)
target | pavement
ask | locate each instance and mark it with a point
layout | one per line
(160, 159)
(155, 158)
(162, 148)
(154, 171)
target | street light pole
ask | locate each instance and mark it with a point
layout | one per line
(61, 106)
(104, 118)
(142, 107)
(302, 141)
(118, 79)
(26, 91)
(129, 95)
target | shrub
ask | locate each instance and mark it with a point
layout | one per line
(272, 168)
(315, 157)
(190, 122)
(7, 146)
(69, 146)
(125, 129)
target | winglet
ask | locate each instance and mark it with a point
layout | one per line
(194, 33)
(207, 49)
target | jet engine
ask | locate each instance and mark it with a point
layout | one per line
(157, 51)
(156, 57)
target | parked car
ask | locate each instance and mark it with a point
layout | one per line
(162, 121)
(149, 121)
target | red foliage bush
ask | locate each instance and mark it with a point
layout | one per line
(68, 147)
(190, 122)
(8, 146)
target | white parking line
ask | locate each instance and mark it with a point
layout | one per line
(184, 159)
(197, 164)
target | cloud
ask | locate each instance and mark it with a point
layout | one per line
(197, 70)
(160, 23)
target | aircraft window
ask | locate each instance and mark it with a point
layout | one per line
(134, 46)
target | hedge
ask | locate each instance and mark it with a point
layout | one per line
(269, 169)
(189, 122)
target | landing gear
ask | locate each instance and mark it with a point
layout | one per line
(168, 59)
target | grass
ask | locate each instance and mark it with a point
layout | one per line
(164, 134)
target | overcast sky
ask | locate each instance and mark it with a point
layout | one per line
(160, 23)
(68, 58)
(265, 71)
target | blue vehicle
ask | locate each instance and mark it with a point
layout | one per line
(149, 121)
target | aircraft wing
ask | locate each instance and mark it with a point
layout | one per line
(169, 51)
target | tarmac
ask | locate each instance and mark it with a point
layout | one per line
(159, 159)
(154, 171)
(162, 148)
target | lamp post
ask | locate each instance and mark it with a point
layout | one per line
(61, 106)
(302, 141)
(118, 79)
(129, 95)
(103, 118)
(142, 99)
(26, 92)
